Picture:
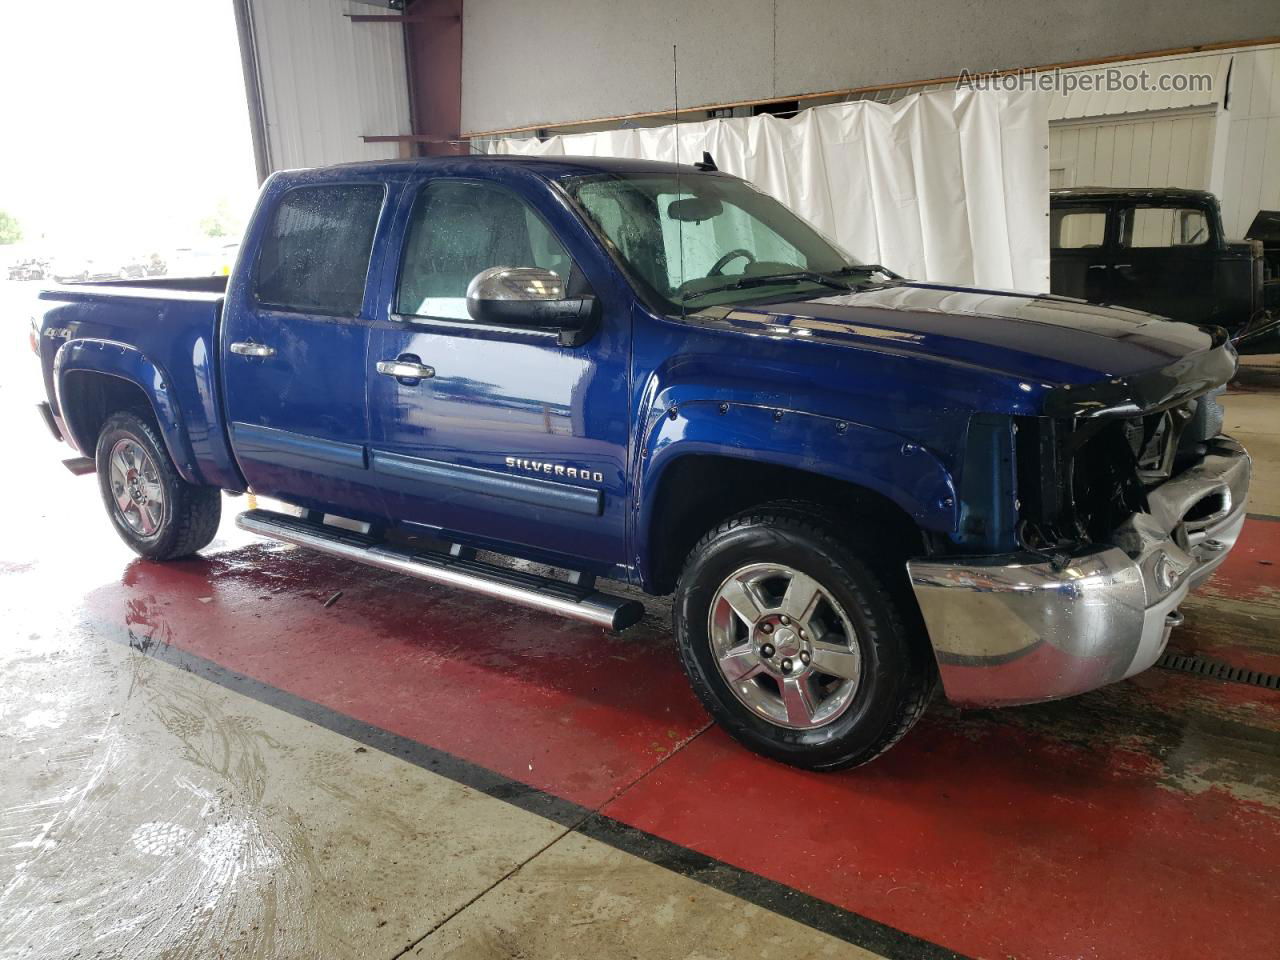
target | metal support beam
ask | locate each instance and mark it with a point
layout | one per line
(253, 88)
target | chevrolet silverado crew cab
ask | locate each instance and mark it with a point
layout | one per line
(855, 485)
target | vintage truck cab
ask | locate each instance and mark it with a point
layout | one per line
(853, 483)
(1163, 250)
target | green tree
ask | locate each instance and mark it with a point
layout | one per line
(222, 222)
(10, 229)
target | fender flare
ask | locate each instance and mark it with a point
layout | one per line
(126, 362)
(898, 469)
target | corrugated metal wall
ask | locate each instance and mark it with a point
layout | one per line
(1250, 177)
(1108, 103)
(326, 81)
(1160, 151)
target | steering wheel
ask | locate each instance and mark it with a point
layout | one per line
(725, 260)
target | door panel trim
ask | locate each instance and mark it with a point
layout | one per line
(542, 493)
(252, 440)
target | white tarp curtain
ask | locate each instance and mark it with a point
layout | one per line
(949, 186)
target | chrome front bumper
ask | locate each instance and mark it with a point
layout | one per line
(1019, 629)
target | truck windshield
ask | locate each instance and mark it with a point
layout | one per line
(708, 240)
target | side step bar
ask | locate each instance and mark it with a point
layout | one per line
(542, 593)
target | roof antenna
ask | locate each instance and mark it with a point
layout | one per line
(675, 133)
(707, 163)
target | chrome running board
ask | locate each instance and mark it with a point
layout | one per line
(579, 601)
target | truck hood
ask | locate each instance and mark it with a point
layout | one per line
(1053, 341)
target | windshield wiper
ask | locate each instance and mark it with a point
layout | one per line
(867, 268)
(768, 279)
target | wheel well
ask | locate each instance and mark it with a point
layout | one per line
(88, 398)
(697, 492)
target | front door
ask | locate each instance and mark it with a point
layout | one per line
(514, 441)
(1079, 250)
(294, 349)
(1165, 261)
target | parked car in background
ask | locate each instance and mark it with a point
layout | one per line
(1265, 229)
(226, 258)
(1164, 251)
(190, 262)
(853, 483)
(32, 268)
(71, 269)
(82, 269)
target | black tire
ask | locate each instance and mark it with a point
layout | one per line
(897, 668)
(189, 514)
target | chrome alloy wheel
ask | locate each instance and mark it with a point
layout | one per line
(135, 484)
(784, 646)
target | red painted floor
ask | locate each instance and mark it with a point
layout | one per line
(1142, 820)
(556, 704)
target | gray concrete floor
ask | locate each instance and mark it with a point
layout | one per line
(1253, 418)
(150, 813)
(146, 811)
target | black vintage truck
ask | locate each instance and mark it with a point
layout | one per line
(1163, 250)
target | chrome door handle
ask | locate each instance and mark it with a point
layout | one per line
(247, 348)
(405, 369)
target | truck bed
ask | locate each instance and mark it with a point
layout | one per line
(150, 285)
(161, 334)
(191, 284)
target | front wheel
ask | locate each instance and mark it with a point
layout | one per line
(794, 646)
(157, 513)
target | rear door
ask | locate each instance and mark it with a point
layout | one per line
(1080, 236)
(294, 345)
(515, 441)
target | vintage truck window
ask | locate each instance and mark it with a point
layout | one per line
(1144, 226)
(1078, 228)
(315, 256)
(459, 228)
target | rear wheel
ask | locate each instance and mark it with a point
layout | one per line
(157, 513)
(794, 645)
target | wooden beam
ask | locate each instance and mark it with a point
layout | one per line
(410, 138)
(400, 17)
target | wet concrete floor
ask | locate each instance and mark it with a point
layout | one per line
(203, 760)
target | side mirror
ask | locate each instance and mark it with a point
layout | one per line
(528, 297)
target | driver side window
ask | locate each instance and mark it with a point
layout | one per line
(459, 228)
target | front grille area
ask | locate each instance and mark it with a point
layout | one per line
(1080, 479)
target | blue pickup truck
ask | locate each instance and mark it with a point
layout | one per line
(855, 485)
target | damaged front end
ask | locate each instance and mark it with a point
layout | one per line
(1124, 499)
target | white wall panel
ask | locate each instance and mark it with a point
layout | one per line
(1250, 177)
(1106, 103)
(1141, 151)
(326, 81)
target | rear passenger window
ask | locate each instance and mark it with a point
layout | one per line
(315, 256)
